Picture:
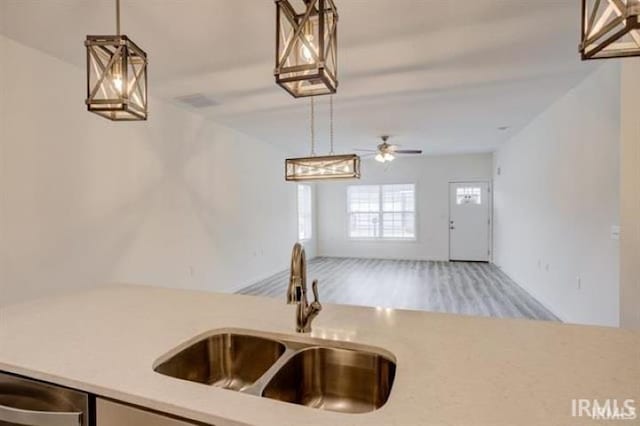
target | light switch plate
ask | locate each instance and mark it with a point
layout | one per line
(615, 232)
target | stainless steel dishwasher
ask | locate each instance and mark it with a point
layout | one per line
(26, 402)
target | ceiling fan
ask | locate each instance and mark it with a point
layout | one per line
(386, 152)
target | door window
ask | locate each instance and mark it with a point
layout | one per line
(469, 195)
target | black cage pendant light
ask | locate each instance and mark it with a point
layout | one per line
(306, 47)
(610, 28)
(116, 76)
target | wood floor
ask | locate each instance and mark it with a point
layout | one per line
(467, 288)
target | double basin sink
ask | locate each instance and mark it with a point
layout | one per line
(326, 375)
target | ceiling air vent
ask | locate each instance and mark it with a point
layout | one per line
(197, 100)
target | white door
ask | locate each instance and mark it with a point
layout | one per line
(469, 224)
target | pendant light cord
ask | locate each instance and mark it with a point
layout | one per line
(118, 17)
(331, 122)
(313, 128)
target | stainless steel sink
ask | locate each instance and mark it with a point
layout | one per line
(226, 360)
(333, 379)
(326, 375)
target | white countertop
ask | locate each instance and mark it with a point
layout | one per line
(451, 370)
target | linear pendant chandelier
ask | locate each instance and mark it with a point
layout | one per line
(116, 76)
(328, 167)
(307, 47)
(610, 29)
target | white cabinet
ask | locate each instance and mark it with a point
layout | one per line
(110, 413)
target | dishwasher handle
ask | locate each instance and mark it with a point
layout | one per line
(39, 418)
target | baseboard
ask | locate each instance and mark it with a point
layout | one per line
(237, 288)
(382, 258)
(532, 294)
(252, 281)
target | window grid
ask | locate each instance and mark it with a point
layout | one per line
(469, 195)
(382, 211)
(305, 213)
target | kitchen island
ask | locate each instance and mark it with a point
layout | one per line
(451, 370)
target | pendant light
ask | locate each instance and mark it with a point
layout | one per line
(116, 76)
(610, 29)
(306, 47)
(323, 167)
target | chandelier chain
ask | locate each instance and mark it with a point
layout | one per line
(331, 122)
(313, 128)
(117, 17)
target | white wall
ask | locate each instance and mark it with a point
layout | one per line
(3, 65)
(557, 199)
(176, 201)
(311, 246)
(431, 174)
(630, 195)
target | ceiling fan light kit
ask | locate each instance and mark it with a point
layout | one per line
(386, 152)
(384, 157)
(306, 47)
(610, 29)
(116, 76)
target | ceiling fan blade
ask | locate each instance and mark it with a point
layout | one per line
(408, 151)
(365, 150)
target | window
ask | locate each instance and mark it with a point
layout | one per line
(305, 213)
(382, 211)
(469, 195)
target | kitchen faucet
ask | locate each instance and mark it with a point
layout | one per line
(297, 291)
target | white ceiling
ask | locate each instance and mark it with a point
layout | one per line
(441, 75)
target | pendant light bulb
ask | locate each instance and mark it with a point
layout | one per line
(117, 82)
(380, 158)
(306, 52)
(389, 157)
